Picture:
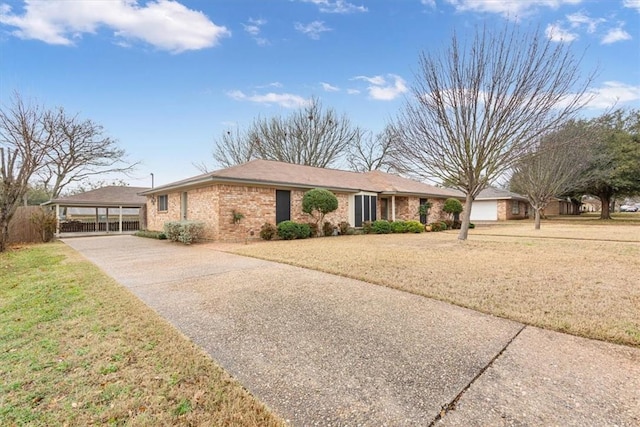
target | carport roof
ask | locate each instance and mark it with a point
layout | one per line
(268, 172)
(109, 196)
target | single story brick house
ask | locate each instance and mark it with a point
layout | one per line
(269, 191)
(495, 204)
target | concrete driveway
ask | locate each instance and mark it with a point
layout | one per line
(330, 351)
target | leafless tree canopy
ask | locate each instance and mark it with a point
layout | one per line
(24, 144)
(374, 152)
(81, 151)
(557, 166)
(310, 136)
(477, 108)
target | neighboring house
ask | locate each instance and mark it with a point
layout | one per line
(108, 209)
(495, 204)
(265, 191)
(561, 207)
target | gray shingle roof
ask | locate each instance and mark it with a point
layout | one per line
(492, 193)
(112, 195)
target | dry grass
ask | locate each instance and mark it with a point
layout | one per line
(78, 349)
(589, 288)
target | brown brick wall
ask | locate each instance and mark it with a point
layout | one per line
(505, 210)
(214, 205)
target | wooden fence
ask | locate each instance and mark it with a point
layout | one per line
(21, 229)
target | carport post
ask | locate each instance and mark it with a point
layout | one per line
(57, 220)
(97, 228)
(107, 219)
(120, 219)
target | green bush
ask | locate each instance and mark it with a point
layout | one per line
(452, 206)
(185, 232)
(287, 230)
(151, 234)
(304, 231)
(327, 228)
(438, 226)
(314, 228)
(367, 227)
(414, 227)
(319, 202)
(472, 225)
(381, 226)
(398, 226)
(268, 231)
(343, 226)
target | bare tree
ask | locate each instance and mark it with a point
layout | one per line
(310, 136)
(556, 167)
(80, 152)
(477, 108)
(233, 148)
(24, 143)
(373, 152)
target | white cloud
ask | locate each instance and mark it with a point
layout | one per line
(510, 9)
(337, 6)
(164, 24)
(329, 88)
(580, 19)
(633, 4)
(312, 29)
(253, 28)
(272, 84)
(382, 90)
(353, 91)
(431, 3)
(286, 100)
(556, 33)
(375, 80)
(615, 35)
(613, 94)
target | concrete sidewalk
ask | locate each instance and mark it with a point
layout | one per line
(329, 351)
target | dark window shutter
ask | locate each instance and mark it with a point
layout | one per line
(358, 207)
(367, 208)
(374, 213)
(283, 205)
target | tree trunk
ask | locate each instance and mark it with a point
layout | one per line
(605, 201)
(537, 215)
(466, 218)
(4, 234)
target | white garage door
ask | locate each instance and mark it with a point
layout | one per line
(484, 210)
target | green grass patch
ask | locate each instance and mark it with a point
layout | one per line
(78, 349)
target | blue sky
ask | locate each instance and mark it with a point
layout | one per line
(166, 78)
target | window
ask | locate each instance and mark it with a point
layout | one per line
(365, 209)
(163, 203)
(515, 207)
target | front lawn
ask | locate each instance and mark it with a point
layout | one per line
(582, 278)
(78, 349)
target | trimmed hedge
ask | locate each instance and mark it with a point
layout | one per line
(289, 230)
(268, 231)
